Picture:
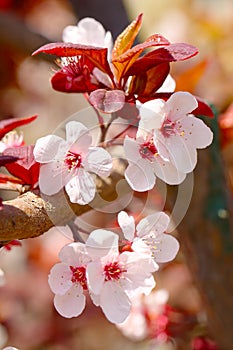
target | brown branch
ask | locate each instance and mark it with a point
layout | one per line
(31, 215)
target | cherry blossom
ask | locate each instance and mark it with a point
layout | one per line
(2, 278)
(69, 163)
(11, 139)
(88, 31)
(113, 278)
(68, 281)
(177, 133)
(145, 164)
(150, 234)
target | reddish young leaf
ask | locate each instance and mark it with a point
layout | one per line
(4, 178)
(25, 168)
(170, 53)
(97, 55)
(7, 159)
(7, 125)
(137, 84)
(126, 39)
(107, 101)
(65, 82)
(123, 62)
(154, 79)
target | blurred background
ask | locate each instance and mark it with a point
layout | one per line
(28, 320)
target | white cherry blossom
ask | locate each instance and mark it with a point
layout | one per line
(113, 277)
(67, 280)
(149, 234)
(69, 163)
(177, 133)
(145, 164)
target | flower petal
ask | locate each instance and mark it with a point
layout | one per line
(81, 188)
(179, 105)
(127, 225)
(167, 249)
(78, 137)
(51, 179)
(196, 132)
(158, 223)
(114, 302)
(49, 148)
(74, 254)
(168, 172)
(131, 149)
(101, 242)
(140, 176)
(60, 279)
(95, 277)
(2, 278)
(72, 303)
(98, 161)
(152, 114)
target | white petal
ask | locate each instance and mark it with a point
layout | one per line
(101, 242)
(2, 278)
(141, 247)
(98, 161)
(168, 172)
(114, 302)
(158, 223)
(127, 224)
(140, 176)
(148, 285)
(95, 299)
(78, 134)
(152, 114)
(72, 303)
(182, 155)
(74, 254)
(51, 178)
(49, 148)
(81, 188)
(179, 105)
(196, 132)
(167, 249)
(60, 278)
(169, 85)
(95, 277)
(131, 149)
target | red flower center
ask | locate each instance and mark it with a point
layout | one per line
(148, 150)
(73, 160)
(79, 276)
(113, 271)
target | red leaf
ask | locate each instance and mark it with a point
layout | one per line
(12, 123)
(7, 159)
(170, 53)
(126, 39)
(25, 168)
(65, 82)
(4, 178)
(203, 109)
(107, 101)
(97, 55)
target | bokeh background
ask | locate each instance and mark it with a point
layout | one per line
(28, 320)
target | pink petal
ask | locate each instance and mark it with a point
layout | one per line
(78, 134)
(127, 225)
(72, 303)
(158, 223)
(140, 176)
(196, 132)
(51, 178)
(102, 242)
(49, 148)
(107, 101)
(60, 279)
(179, 105)
(167, 249)
(95, 277)
(152, 114)
(98, 161)
(114, 302)
(168, 172)
(131, 149)
(81, 188)
(74, 254)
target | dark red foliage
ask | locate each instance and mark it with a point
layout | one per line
(7, 125)
(5, 159)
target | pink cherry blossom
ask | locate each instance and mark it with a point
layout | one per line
(177, 133)
(69, 163)
(113, 277)
(150, 235)
(145, 164)
(68, 281)
(11, 139)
